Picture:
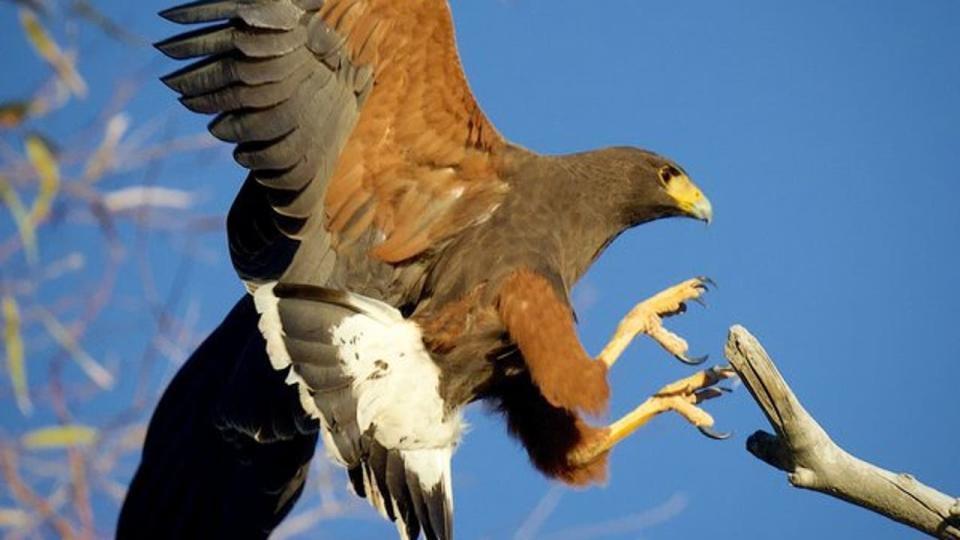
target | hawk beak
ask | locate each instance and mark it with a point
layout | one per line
(702, 210)
(691, 201)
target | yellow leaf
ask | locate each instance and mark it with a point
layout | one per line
(59, 437)
(28, 236)
(13, 518)
(12, 113)
(49, 51)
(97, 373)
(13, 342)
(48, 171)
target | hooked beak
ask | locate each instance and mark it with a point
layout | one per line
(691, 201)
(702, 210)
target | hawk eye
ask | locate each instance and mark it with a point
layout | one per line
(667, 173)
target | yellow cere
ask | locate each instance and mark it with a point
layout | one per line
(688, 196)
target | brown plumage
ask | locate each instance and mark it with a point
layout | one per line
(543, 328)
(420, 138)
(374, 175)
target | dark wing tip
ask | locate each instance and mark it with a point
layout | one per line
(440, 515)
(177, 14)
(193, 79)
(201, 11)
(396, 477)
(205, 41)
(176, 80)
(431, 508)
(356, 480)
(172, 48)
(169, 14)
(387, 476)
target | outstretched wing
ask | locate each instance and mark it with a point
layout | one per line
(355, 120)
(363, 141)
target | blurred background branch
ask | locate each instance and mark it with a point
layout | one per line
(86, 207)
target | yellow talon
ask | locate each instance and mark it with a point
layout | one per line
(681, 397)
(647, 318)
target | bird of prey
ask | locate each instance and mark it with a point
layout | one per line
(402, 259)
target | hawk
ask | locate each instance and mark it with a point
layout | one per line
(402, 260)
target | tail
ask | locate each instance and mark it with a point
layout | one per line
(228, 448)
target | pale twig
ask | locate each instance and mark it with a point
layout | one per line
(631, 523)
(80, 492)
(27, 498)
(108, 26)
(540, 513)
(813, 461)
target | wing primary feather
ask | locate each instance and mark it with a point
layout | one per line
(222, 70)
(419, 504)
(291, 227)
(255, 125)
(440, 514)
(270, 15)
(220, 38)
(282, 153)
(356, 480)
(377, 461)
(241, 96)
(373, 491)
(250, 123)
(205, 41)
(293, 179)
(396, 475)
(202, 11)
(428, 480)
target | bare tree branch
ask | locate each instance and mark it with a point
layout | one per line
(804, 450)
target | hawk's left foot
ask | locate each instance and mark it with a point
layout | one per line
(681, 397)
(647, 318)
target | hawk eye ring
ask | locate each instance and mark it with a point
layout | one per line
(667, 173)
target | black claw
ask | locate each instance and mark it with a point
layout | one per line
(719, 371)
(707, 281)
(715, 435)
(708, 393)
(695, 361)
(700, 301)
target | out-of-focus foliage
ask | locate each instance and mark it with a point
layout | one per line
(76, 195)
(94, 227)
(59, 437)
(48, 49)
(13, 342)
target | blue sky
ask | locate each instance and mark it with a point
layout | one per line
(827, 135)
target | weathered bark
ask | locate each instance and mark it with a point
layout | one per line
(813, 461)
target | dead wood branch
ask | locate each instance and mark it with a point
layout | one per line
(813, 461)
